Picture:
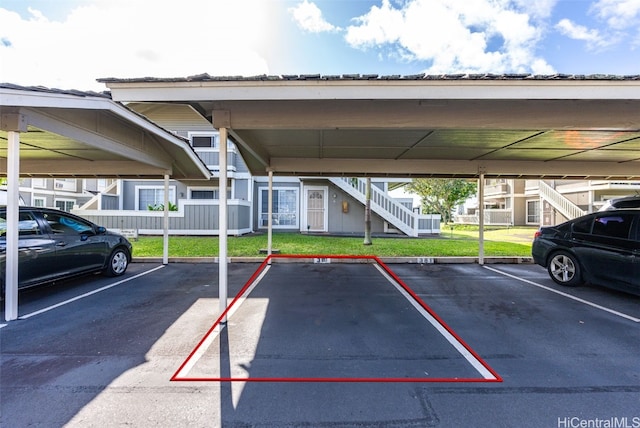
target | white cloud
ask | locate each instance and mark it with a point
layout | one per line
(575, 31)
(494, 36)
(537, 8)
(579, 32)
(124, 38)
(618, 14)
(309, 17)
(621, 20)
(381, 25)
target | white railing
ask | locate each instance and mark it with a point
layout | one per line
(495, 217)
(94, 202)
(392, 211)
(567, 208)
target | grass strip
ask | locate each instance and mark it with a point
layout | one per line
(516, 243)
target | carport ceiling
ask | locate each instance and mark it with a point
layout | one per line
(418, 126)
(79, 134)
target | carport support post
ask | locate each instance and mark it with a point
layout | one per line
(367, 213)
(11, 275)
(270, 215)
(222, 224)
(165, 239)
(481, 219)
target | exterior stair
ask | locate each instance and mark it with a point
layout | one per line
(95, 203)
(564, 206)
(401, 217)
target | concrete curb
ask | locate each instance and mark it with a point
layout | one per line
(388, 260)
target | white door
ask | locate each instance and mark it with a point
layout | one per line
(316, 210)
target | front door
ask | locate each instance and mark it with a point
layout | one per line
(316, 209)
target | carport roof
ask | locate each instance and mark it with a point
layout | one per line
(87, 134)
(515, 126)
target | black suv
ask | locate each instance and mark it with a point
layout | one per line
(602, 248)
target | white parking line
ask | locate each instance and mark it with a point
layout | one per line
(209, 338)
(577, 299)
(82, 296)
(443, 331)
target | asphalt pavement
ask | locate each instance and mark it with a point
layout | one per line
(322, 345)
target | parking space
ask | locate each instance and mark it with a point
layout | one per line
(99, 352)
(341, 322)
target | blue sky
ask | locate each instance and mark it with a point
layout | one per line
(68, 44)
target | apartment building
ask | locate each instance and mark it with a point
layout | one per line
(545, 202)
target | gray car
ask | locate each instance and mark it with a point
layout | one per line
(55, 245)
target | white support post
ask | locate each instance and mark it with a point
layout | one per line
(367, 213)
(270, 215)
(13, 212)
(481, 219)
(222, 224)
(165, 227)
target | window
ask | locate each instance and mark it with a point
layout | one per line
(40, 183)
(27, 224)
(103, 183)
(614, 226)
(204, 194)
(67, 184)
(38, 201)
(207, 141)
(533, 212)
(61, 224)
(64, 204)
(149, 196)
(285, 208)
(207, 193)
(583, 226)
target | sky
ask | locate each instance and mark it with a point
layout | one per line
(68, 44)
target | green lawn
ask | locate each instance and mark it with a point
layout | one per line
(458, 242)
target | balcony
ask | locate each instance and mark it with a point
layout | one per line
(499, 189)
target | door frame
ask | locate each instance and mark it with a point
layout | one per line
(305, 218)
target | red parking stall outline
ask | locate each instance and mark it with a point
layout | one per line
(265, 263)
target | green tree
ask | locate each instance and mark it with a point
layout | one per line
(441, 195)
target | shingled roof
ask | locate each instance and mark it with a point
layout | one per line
(205, 77)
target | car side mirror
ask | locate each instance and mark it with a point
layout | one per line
(101, 230)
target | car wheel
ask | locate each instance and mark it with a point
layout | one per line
(118, 262)
(564, 269)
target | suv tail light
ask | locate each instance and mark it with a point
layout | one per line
(537, 234)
